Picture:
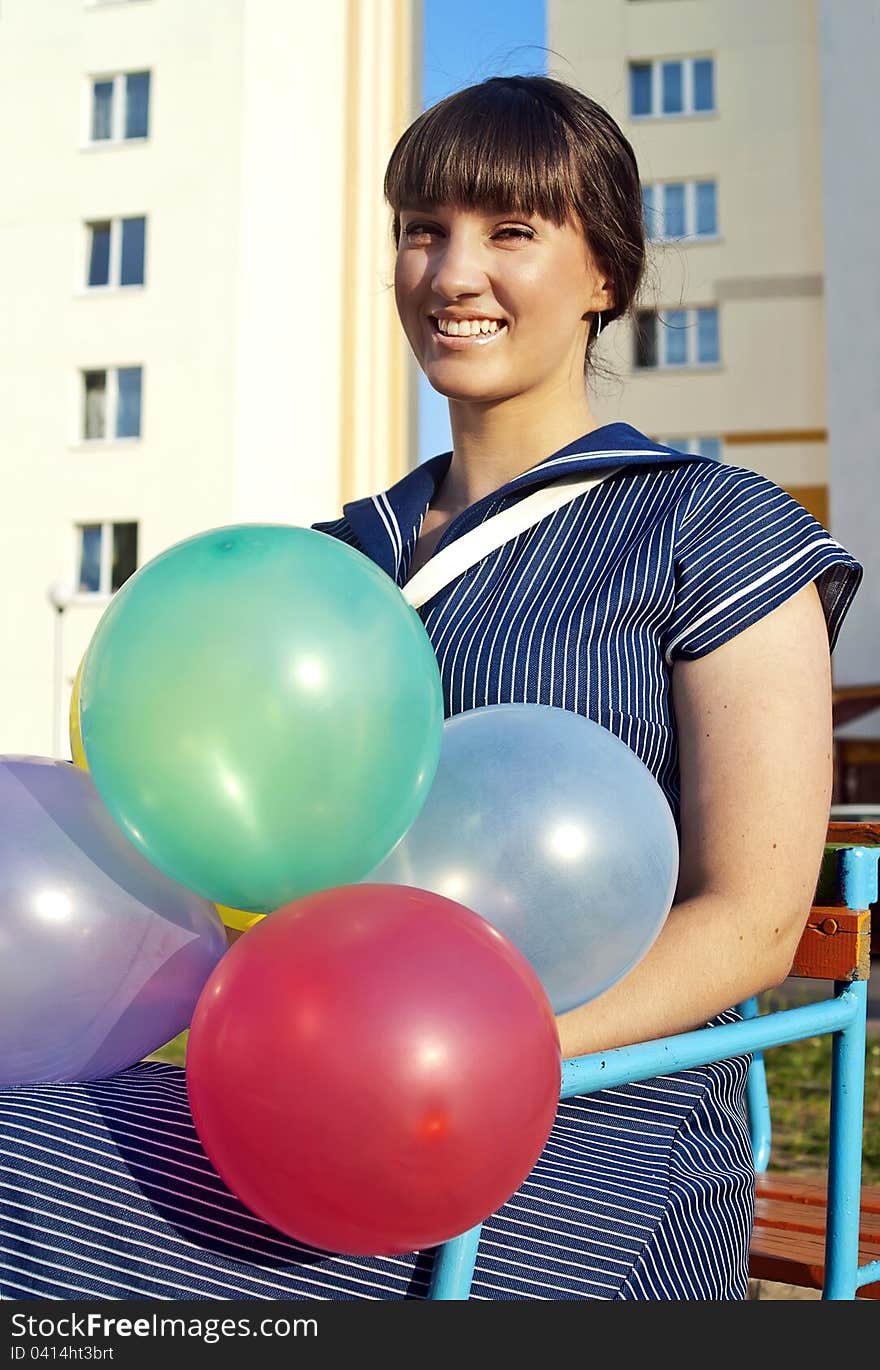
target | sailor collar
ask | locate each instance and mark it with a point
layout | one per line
(388, 524)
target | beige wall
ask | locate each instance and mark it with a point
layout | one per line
(850, 123)
(765, 271)
(275, 382)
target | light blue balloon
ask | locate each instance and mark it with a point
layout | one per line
(548, 826)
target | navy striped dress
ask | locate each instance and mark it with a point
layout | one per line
(643, 1191)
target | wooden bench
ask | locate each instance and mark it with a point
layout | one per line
(788, 1243)
(805, 1233)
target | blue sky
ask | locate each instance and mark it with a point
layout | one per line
(465, 41)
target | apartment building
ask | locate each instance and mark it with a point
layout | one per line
(721, 104)
(195, 266)
(757, 333)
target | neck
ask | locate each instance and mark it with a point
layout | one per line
(493, 444)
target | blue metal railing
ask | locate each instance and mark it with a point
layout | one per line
(843, 1014)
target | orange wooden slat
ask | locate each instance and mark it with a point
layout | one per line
(800, 1217)
(854, 834)
(796, 1189)
(797, 1258)
(835, 945)
(788, 1239)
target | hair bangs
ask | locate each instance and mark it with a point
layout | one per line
(496, 149)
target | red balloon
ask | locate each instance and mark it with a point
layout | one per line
(373, 1069)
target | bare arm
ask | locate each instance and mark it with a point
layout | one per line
(754, 721)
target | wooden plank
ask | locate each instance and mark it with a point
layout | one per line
(783, 1216)
(797, 1258)
(788, 1240)
(835, 945)
(768, 1260)
(853, 834)
(781, 1184)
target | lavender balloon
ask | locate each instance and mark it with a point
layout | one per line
(553, 830)
(102, 957)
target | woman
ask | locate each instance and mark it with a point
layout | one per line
(687, 606)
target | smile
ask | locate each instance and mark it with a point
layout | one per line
(456, 344)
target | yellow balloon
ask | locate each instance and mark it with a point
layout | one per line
(237, 918)
(76, 743)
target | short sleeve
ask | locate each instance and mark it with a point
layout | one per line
(743, 547)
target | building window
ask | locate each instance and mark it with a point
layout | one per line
(107, 556)
(680, 209)
(699, 446)
(116, 252)
(677, 337)
(120, 107)
(661, 89)
(112, 403)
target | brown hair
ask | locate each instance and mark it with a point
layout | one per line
(532, 145)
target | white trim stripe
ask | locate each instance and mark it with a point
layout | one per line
(774, 573)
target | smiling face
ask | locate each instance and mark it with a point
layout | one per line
(536, 280)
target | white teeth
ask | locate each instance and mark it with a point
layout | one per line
(467, 328)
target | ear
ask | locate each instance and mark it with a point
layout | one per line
(602, 298)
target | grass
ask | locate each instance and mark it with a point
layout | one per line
(798, 1080)
(799, 1084)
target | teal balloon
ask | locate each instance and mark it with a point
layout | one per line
(262, 714)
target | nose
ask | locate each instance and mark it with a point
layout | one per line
(458, 268)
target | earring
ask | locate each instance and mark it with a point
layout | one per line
(598, 322)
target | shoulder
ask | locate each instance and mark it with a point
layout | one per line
(707, 485)
(707, 482)
(681, 494)
(744, 546)
(685, 481)
(732, 507)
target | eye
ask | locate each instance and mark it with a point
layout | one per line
(413, 230)
(416, 230)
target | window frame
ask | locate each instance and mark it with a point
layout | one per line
(105, 561)
(691, 333)
(111, 412)
(690, 234)
(114, 271)
(118, 109)
(656, 65)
